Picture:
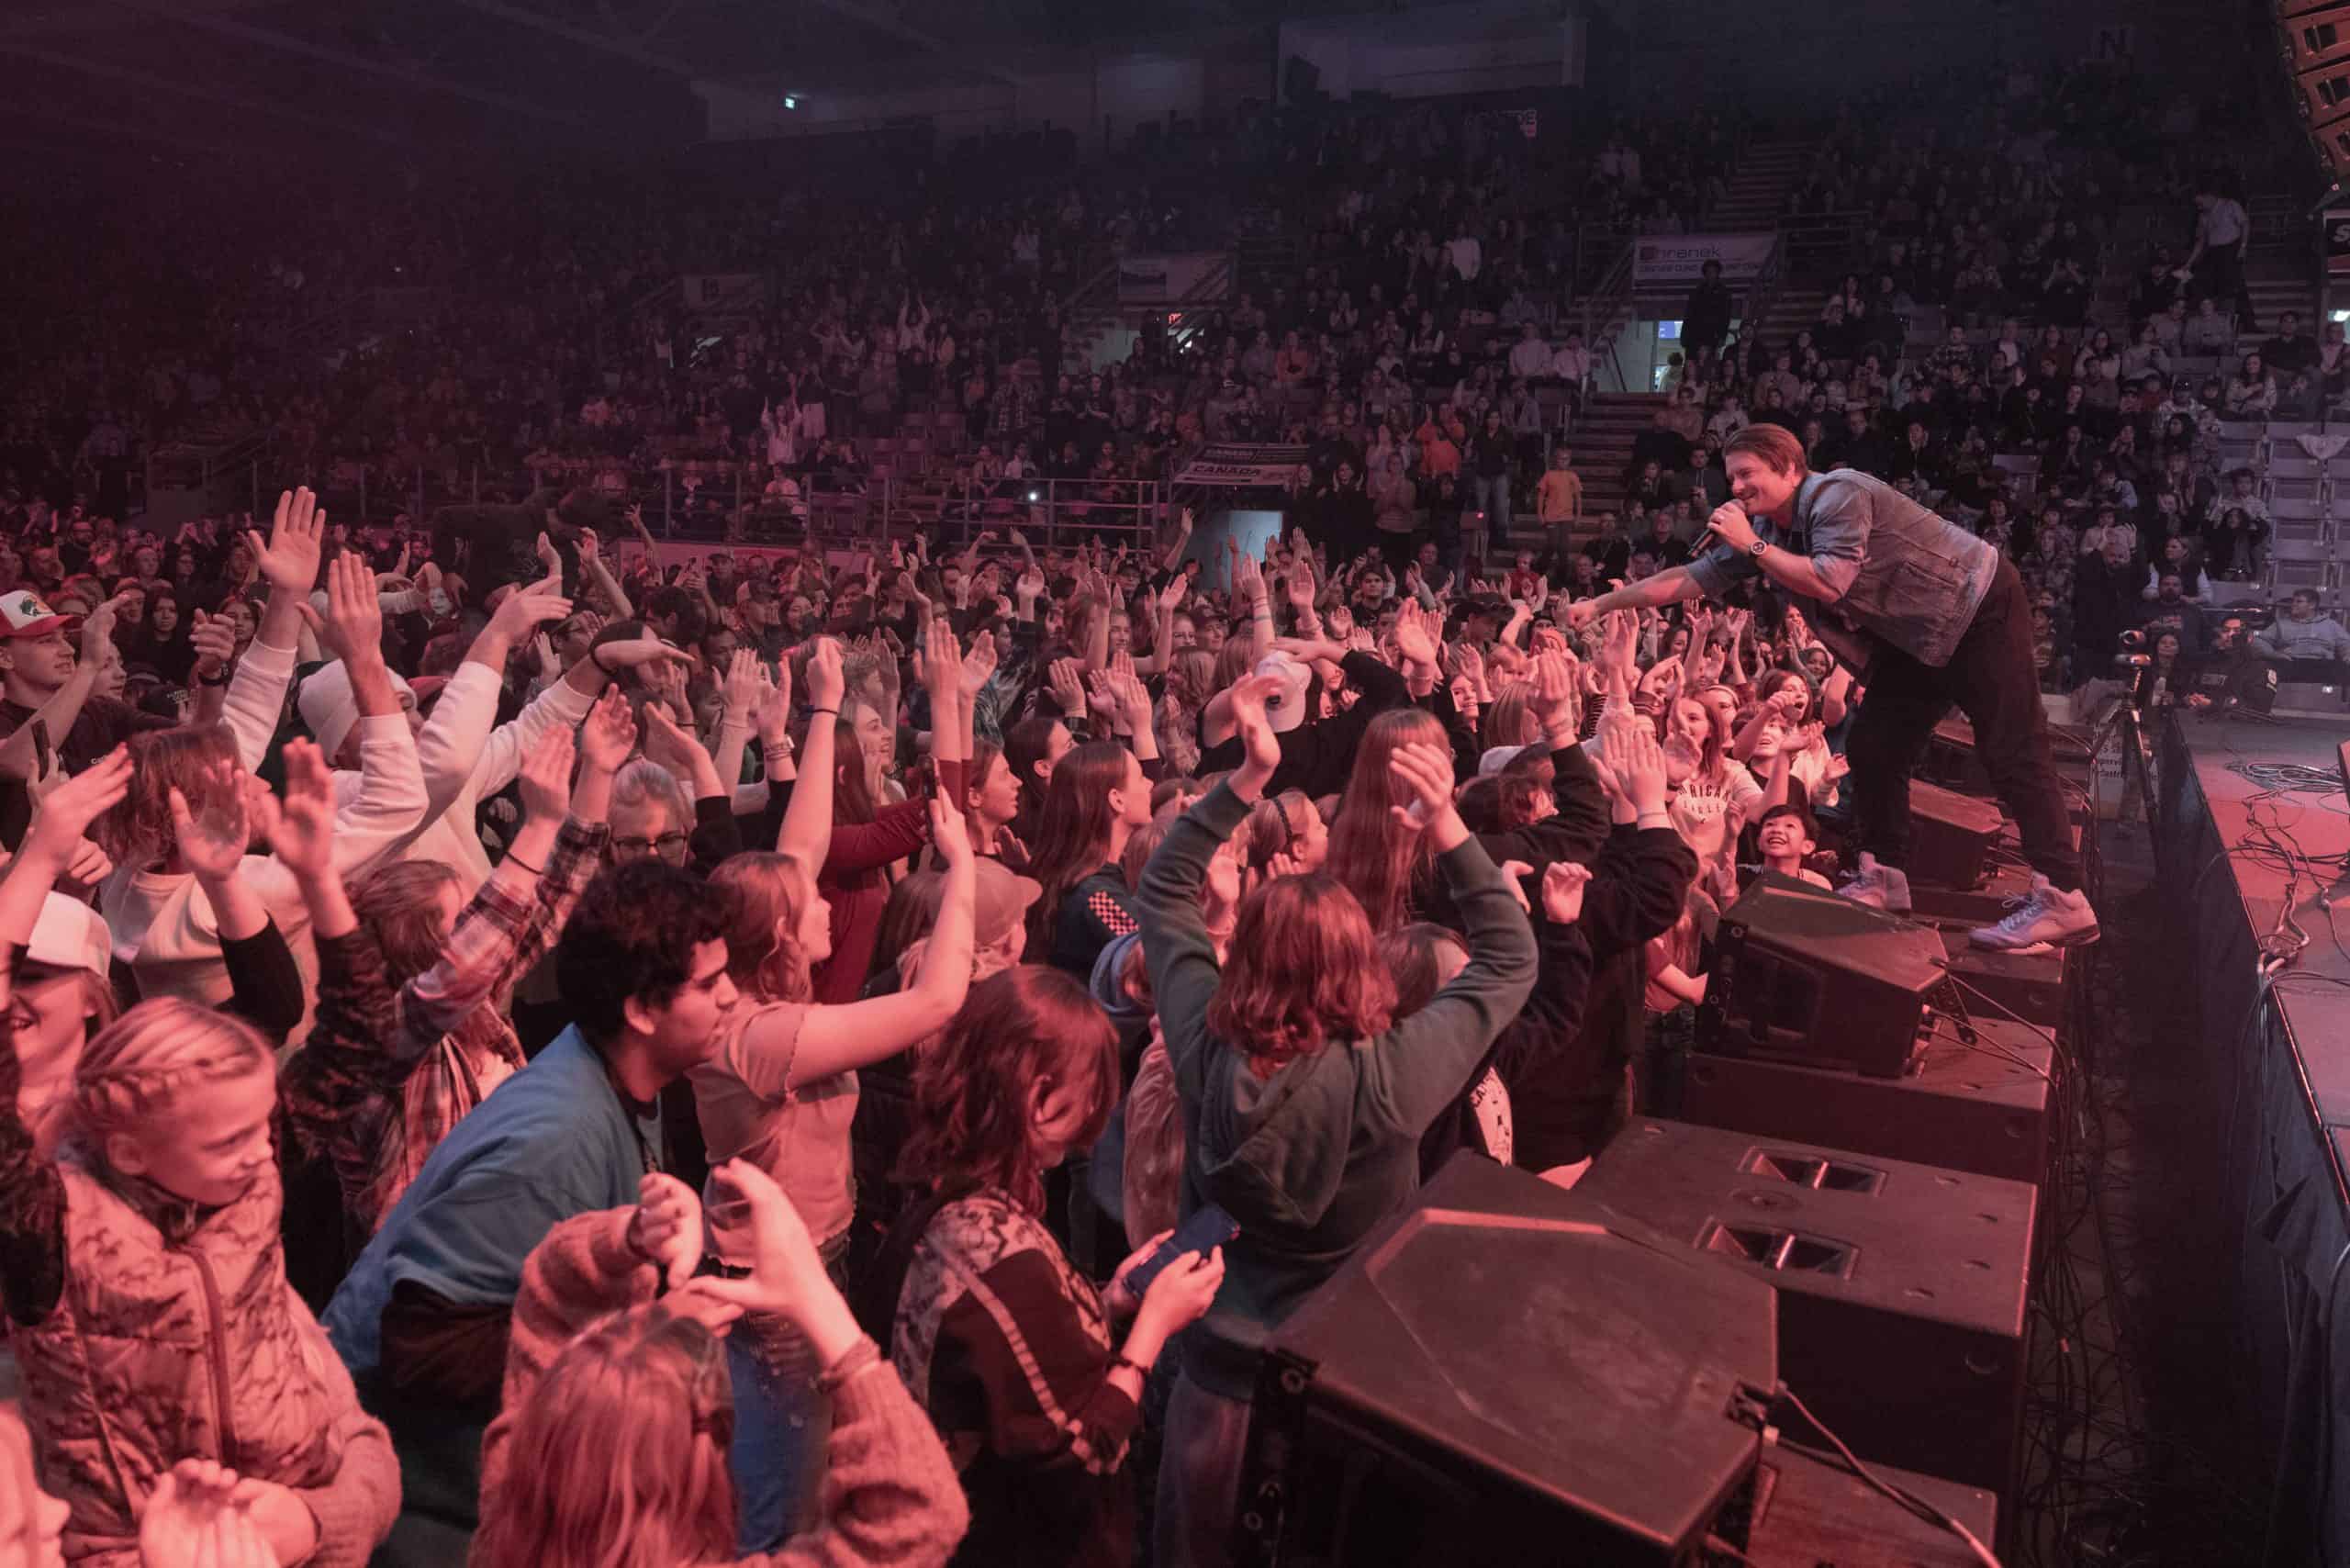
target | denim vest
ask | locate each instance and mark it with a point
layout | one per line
(1909, 577)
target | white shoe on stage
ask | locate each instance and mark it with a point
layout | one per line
(1878, 885)
(2043, 915)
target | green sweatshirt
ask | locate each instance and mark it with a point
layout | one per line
(1310, 1160)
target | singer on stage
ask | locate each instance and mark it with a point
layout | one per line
(1927, 616)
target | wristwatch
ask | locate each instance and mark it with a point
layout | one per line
(1757, 548)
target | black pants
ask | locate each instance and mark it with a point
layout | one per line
(1991, 679)
(2220, 273)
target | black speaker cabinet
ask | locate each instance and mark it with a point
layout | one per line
(1802, 975)
(1901, 1287)
(1950, 835)
(1808, 1508)
(1982, 1108)
(1949, 758)
(1507, 1372)
(2028, 984)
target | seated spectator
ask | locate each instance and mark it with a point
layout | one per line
(2301, 635)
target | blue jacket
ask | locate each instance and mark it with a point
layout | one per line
(551, 1142)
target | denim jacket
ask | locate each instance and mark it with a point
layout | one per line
(1906, 576)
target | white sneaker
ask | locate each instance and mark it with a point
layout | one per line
(1878, 885)
(2043, 915)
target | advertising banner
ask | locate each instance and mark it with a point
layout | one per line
(1680, 258)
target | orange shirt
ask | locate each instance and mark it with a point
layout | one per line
(1559, 495)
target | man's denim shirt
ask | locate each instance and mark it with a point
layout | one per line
(1908, 576)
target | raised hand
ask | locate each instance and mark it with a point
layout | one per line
(353, 628)
(672, 745)
(1414, 640)
(1066, 688)
(215, 642)
(608, 733)
(1260, 742)
(213, 844)
(771, 714)
(1637, 761)
(638, 652)
(527, 608)
(826, 684)
(1424, 772)
(69, 806)
(302, 834)
(978, 665)
(1247, 577)
(666, 1229)
(948, 833)
(546, 776)
(1563, 885)
(288, 559)
(939, 662)
(745, 684)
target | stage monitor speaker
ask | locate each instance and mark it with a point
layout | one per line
(1808, 1508)
(1950, 835)
(1981, 1107)
(1507, 1371)
(1902, 1288)
(1949, 758)
(1802, 975)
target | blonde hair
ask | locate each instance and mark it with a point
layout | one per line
(617, 1458)
(644, 779)
(137, 1066)
(765, 894)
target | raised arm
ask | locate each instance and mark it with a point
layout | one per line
(32, 1195)
(1176, 945)
(266, 986)
(832, 1040)
(391, 800)
(808, 822)
(1420, 1066)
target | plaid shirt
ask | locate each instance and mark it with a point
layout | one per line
(385, 1074)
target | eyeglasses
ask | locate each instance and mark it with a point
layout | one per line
(669, 846)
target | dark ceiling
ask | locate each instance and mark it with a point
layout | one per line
(406, 79)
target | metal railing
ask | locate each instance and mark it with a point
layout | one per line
(1606, 310)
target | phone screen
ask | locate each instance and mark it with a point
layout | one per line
(1209, 1227)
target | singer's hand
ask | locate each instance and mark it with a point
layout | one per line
(1729, 525)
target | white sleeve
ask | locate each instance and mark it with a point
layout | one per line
(561, 704)
(255, 699)
(389, 802)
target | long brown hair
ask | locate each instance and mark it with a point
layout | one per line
(1030, 1027)
(1025, 745)
(136, 832)
(398, 901)
(1302, 972)
(1374, 857)
(853, 799)
(617, 1458)
(765, 894)
(1073, 835)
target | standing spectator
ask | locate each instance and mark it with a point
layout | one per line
(1705, 316)
(1491, 451)
(1558, 498)
(2222, 229)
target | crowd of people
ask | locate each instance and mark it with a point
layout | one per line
(605, 1064)
(521, 1046)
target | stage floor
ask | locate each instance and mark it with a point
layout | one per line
(2243, 861)
(2266, 833)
